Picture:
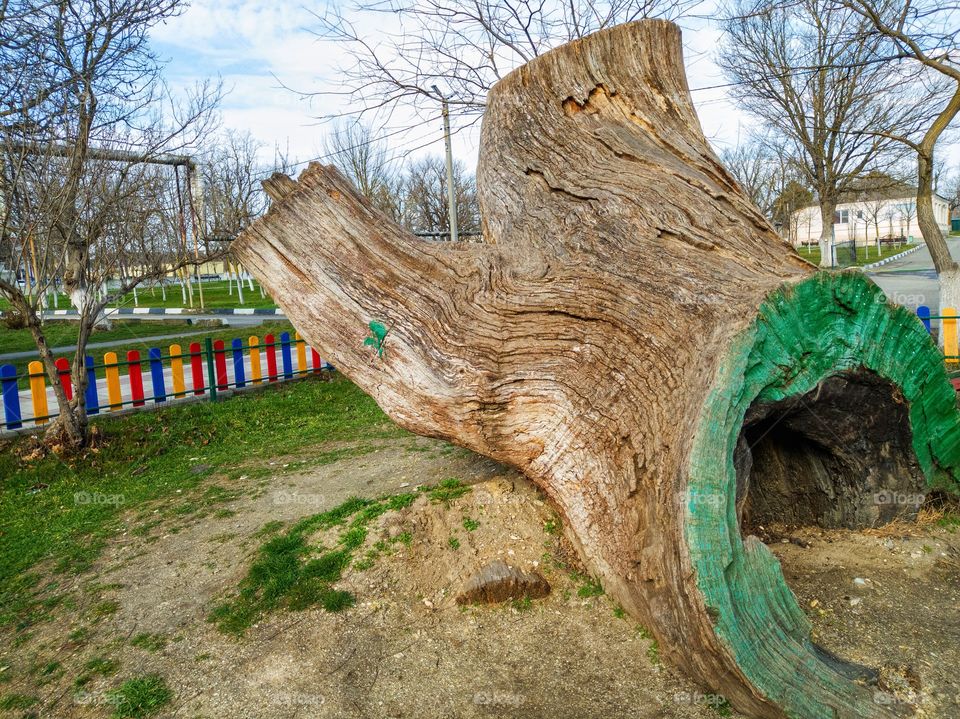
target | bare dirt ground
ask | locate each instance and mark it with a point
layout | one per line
(407, 650)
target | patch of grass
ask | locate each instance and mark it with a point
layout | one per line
(721, 707)
(454, 543)
(590, 588)
(10, 702)
(552, 526)
(97, 666)
(101, 610)
(447, 490)
(287, 574)
(139, 697)
(470, 524)
(405, 538)
(271, 527)
(147, 457)
(653, 651)
(619, 612)
(149, 642)
(521, 605)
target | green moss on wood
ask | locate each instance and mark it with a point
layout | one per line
(825, 325)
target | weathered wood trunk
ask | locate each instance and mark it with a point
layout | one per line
(630, 331)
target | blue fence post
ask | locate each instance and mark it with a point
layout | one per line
(156, 374)
(285, 353)
(11, 396)
(92, 401)
(923, 312)
(238, 372)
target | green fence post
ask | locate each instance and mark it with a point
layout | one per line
(211, 377)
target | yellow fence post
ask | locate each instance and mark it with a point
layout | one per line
(256, 374)
(176, 371)
(301, 353)
(38, 391)
(949, 329)
(113, 380)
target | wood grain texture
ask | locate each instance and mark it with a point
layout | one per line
(619, 284)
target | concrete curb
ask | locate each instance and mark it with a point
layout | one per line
(897, 256)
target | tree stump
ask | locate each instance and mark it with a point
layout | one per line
(635, 337)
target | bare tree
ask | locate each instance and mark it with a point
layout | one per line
(366, 161)
(88, 136)
(925, 31)
(424, 197)
(464, 47)
(810, 73)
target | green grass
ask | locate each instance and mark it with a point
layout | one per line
(470, 524)
(9, 702)
(149, 642)
(149, 456)
(215, 295)
(139, 697)
(447, 491)
(292, 572)
(98, 666)
(865, 255)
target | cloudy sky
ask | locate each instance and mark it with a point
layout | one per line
(258, 46)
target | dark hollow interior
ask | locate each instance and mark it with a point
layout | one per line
(838, 456)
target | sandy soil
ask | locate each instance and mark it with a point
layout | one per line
(407, 650)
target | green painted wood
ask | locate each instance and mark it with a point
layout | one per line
(804, 333)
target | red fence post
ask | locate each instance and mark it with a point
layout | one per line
(220, 360)
(63, 372)
(135, 375)
(196, 367)
(271, 347)
(317, 362)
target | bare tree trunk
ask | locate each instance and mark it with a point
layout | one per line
(635, 337)
(827, 209)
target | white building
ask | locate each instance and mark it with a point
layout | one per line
(864, 220)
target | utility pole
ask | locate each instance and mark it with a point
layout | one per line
(451, 193)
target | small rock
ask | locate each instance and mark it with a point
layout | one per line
(499, 581)
(854, 601)
(860, 581)
(404, 484)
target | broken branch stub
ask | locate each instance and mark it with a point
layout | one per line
(626, 326)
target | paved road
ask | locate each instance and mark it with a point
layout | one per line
(912, 281)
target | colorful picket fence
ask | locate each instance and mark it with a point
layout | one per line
(195, 371)
(948, 330)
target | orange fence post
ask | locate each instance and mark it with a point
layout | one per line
(256, 374)
(38, 391)
(301, 354)
(113, 380)
(949, 329)
(176, 371)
